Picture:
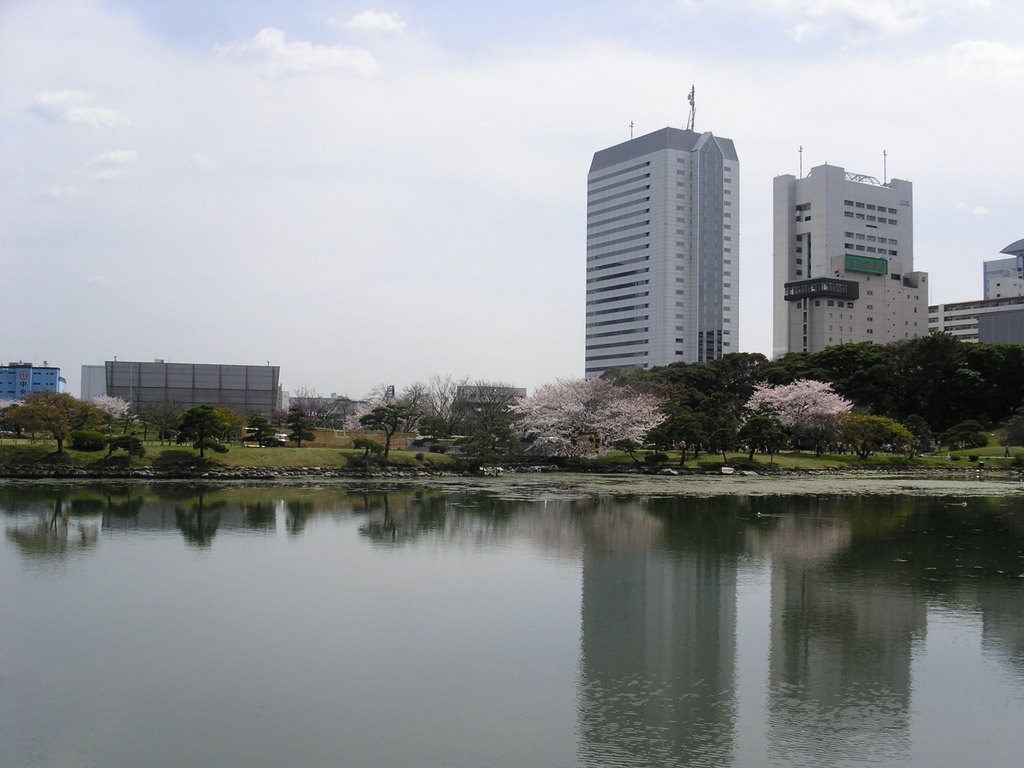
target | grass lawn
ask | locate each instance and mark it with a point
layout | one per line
(162, 455)
(25, 453)
(992, 456)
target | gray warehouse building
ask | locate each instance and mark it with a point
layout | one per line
(242, 388)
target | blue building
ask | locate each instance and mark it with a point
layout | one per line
(18, 379)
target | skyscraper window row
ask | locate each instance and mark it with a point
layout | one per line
(617, 241)
(618, 320)
(623, 182)
(619, 252)
(634, 343)
(623, 217)
(623, 228)
(618, 195)
(613, 264)
(624, 356)
(613, 174)
(617, 275)
(640, 295)
(613, 310)
(618, 287)
(620, 206)
(625, 332)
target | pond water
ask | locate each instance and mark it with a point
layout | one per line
(558, 621)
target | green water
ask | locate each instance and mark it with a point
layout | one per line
(543, 621)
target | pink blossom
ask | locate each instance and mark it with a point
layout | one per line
(576, 417)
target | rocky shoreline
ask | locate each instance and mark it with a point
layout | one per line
(284, 473)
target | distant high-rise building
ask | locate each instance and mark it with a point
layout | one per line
(844, 262)
(662, 251)
(1004, 278)
(18, 379)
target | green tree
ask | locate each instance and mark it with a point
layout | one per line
(130, 444)
(55, 413)
(261, 430)
(966, 434)
(762, 432)
(924, 440)
(301, 426)
(683, 429)
(491, 442)
(434, 426)
(867, 434)
(387, 419)
(201, 425)
(367, 446)
(1014, 429)
(630, 447)
(231, 424)
(722, 424)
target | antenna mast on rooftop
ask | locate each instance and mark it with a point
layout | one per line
(693, 110)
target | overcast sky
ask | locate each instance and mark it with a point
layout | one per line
(372, 192)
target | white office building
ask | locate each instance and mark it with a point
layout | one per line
(844, 262)
(992, 321)
(1004, 278)
(662, 251)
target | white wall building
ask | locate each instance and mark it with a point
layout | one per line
(844, 262)
(662, 251)
(964, 319)
(1005, 277)
(94, 381)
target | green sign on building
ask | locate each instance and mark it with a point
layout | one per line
(866, 264)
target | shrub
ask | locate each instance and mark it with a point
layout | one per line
(438, 448)
(88, 440)
(420, 456)
(1018, 460)
(972, 458)
(655, 458)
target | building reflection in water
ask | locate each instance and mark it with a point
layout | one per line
(842, 641)
(848, 583)
(658, 641)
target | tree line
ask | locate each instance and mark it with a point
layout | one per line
(854, 397)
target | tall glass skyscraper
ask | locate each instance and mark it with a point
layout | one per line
(662, 251)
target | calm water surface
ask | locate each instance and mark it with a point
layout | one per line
(487, 626)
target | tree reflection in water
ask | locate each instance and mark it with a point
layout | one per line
(55, 534)
(199, 522)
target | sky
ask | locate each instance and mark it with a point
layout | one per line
(370, 193)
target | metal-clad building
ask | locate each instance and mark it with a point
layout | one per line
(242, 388)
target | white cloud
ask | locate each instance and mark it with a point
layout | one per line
(111, 165)
(880, 16)
(284, 57)
(376, 21)
(73, 107)
(96, 279)
(989, 56)
(67, 193)
(974, 210)
(202, 162)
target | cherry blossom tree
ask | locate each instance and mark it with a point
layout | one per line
(359, 409)
(115, 409)
(577, 417)
(809, 409)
